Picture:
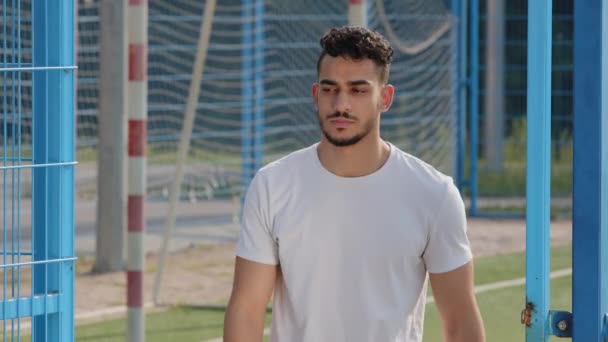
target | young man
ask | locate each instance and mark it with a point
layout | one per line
(345, 231)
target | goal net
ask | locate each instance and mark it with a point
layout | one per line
(255, 103)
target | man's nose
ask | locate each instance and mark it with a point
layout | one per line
(342, 103)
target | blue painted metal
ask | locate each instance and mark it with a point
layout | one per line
(538, 175)
(560, 323)
(606, 327)
(5, 140)
(246, 95)
(259, 43)
(473, 102)
(590, 201)
(604, 165)
(464, 84)
(19, 110)
(22, 307)
(460, 11)
(53, 186)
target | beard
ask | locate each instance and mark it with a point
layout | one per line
(346, 141)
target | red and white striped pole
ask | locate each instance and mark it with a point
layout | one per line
(137, 92)
(357, 13)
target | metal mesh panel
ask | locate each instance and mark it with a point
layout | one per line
(36, 171)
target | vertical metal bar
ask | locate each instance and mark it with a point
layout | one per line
(35, 105)
(65, 138)
(455, 103)
(603, 300)
(590, 202)
(246, 95)
(258, 141)
(464, 87)
(538, 169)
(13, 155)
(49, 101)
(53, 187)
(473, 103)
(19, 64)
(39, 179)
(459, 10)
(5, 141)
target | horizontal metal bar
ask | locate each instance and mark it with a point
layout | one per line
(22, 307)
(32, 166)
(39, 262)
(556, 17)
(67, 67)
(16, 159)
(20, 65)
(16, 253)
(555, 93)
(523, 68)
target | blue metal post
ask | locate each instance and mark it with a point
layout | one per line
(590, 194)
(246, 95)
(53, 186)
(538, 176)
(258, 143)
(473, 103)
(459, 10)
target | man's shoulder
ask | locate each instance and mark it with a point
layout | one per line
(419, 170)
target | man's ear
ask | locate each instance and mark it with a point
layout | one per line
(315, 94)
(388, 93)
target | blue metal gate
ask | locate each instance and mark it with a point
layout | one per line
(37, 139)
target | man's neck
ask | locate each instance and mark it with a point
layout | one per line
(361, 159)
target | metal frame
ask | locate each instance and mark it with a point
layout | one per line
(459, 11)
(473, 102)
(252, 90)
(247, 95)
(538, 175)
(259, 53)
(53, 186)
(590, 202)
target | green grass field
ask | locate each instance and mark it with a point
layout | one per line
(500, 308)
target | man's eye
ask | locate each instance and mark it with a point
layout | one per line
(359, 91)
(326, 90)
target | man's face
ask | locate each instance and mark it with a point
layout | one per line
(349, 96)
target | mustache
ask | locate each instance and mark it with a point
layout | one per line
(340, 114)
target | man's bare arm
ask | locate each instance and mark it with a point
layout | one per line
(455, 299)
(251, 291)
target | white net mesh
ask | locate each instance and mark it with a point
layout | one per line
(422, 118)
(255, 102)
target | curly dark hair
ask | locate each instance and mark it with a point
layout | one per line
(358, 43)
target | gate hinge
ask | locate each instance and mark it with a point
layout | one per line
(561, 323)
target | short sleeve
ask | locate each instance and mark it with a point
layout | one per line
(255, 240)
(448, 246)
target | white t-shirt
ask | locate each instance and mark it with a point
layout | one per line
(353, 252)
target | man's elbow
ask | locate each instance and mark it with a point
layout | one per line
(243, 323)
(464, 327)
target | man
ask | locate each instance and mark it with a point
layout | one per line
(345, 231)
